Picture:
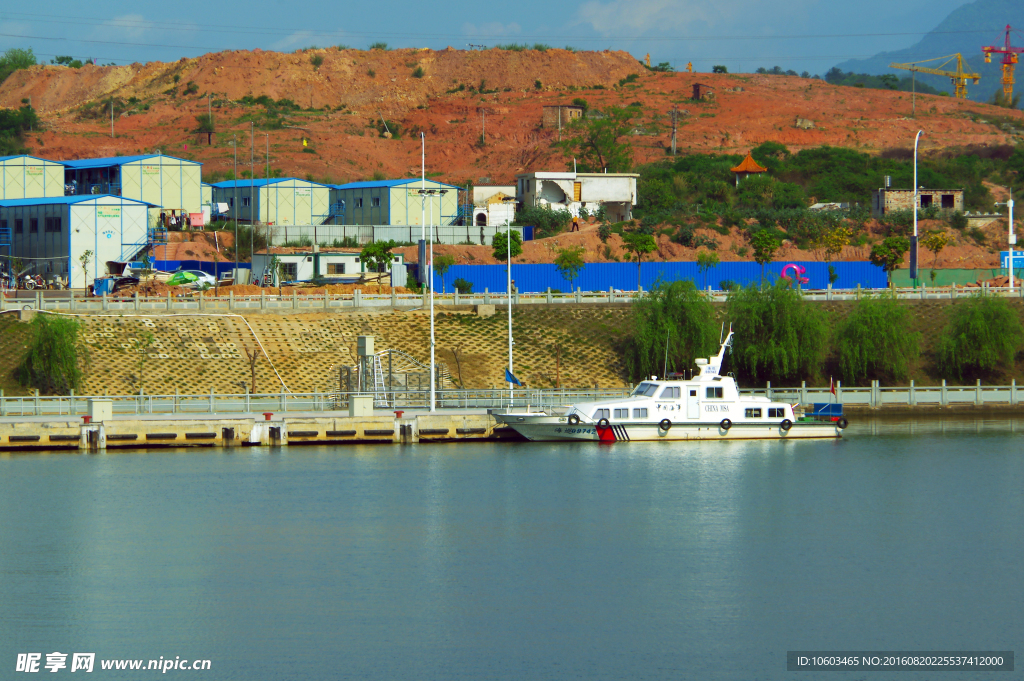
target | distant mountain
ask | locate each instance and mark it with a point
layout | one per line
(965, 30)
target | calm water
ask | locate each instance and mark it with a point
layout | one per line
(523, 561)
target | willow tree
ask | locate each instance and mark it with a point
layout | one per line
(51, 363)
(675, 315)
(983, 334)
(873, 342)
(779, 335)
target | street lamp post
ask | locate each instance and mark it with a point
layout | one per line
(1012, 239)
(913, 241)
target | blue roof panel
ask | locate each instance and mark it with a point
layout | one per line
(375, 184)
(66, 200)
(230, 184)
(8, 158)
(119, 160)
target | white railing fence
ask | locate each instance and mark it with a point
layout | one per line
(269, 299)
(873, 396)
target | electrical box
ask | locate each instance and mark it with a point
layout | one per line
(360, 405)
(101, 410)
(364, 346)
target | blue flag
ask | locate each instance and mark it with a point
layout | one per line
(509, 378)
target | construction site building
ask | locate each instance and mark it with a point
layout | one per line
(30, 177)
(166, 181)
(275, 201)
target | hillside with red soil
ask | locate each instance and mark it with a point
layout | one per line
(352, 90)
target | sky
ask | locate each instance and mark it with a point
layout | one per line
(803, 35)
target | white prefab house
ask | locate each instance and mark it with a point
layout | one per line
(275, 201)
(332, 265)
(52, 233)
(616, 192)
(165, 181)
(29, 177)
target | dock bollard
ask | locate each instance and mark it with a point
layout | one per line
(267, 415)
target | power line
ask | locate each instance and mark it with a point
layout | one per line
(305, 33)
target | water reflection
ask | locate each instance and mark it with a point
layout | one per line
(528, 560)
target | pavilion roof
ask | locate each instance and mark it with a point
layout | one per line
(749, 165)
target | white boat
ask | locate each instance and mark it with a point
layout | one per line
(708, 406)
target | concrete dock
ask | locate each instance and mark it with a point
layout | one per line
(189, 430)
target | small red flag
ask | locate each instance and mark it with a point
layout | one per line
(831, 386)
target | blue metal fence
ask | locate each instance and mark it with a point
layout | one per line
(623, 276)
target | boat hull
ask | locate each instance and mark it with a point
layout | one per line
(552, 428)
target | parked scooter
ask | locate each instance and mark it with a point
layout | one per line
(31, 282)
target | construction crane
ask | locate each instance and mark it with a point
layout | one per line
(1010, 58)
(959, 77)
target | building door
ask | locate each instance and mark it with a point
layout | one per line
(577, 191)
(692, 406)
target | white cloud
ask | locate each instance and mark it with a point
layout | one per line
(295, 40)
(127, 26)
(493, 29)
(632, 16)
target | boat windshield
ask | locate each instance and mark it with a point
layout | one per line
(645, 390)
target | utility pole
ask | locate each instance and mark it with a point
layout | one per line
(252, 183)
(111, 117)
(234, 208)
(483, 129)
(267, 174)
(675, 118)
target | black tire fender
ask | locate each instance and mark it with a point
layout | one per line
(603, 423)
(842, 423)
(574, 419)
(786, 425)
(726, 424)
(665, 425)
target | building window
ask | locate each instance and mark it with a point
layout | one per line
(375, 202)
(776, 412)
(670, 393)
(622, 413)
(245, 201)
(33, 225)
(640, 413)
(948, 201)
(3, 225)
(359, 202)
(19, 226)
(713, 393)
(231, 202)
(602, 414)
(289, 270)
(752, 413)
(335, 268)
(52, 225)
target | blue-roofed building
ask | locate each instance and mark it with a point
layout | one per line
(166, 181)
(50, 234)
(275, 201)
(27, 177)
(395, 202)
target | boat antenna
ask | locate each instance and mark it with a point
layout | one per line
(665, 368)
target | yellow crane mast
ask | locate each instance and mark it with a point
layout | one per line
(959, 77)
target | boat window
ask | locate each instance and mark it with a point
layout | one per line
(776, 412)
(641, 389)
(622, 413)
(602, 414)
(713, 392)
(693, 393)
(752, 413)
(670, 393)
(640, 413)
